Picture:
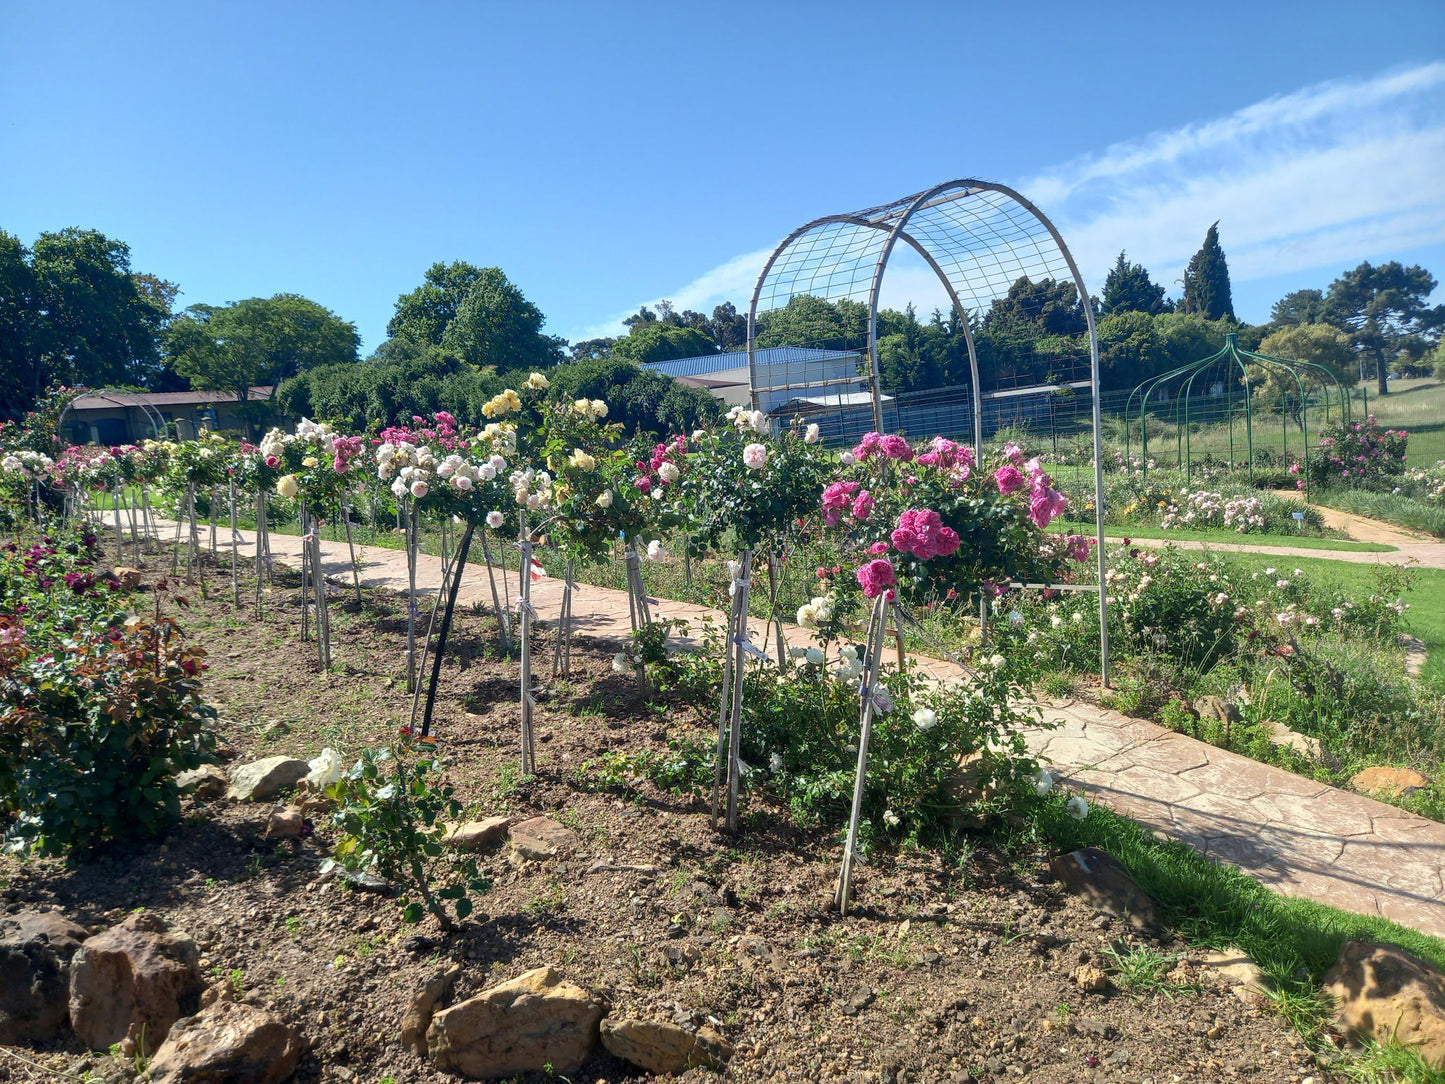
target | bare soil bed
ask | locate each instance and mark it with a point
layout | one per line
(949, 971)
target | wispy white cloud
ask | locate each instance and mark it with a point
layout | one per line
(1338, 171)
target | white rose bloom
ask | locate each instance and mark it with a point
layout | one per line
(775, 762)
(495, 519)
(668, 472)
(325, 770)
(890, 818)
(486, 472)
(847, 459)
(996, 661)
(398, 488)
(419, 489)
(620, 665)
(655, 552)
(599, 408)
(462, 482)
(1077, 807)
(815, 656)
(755, 456)
(925, 718)
(604, 499)
(287, 486)
(759, 421)
(1056, 621)
(807, 615)
(812, 435)
(1043, 783)
(797, 652)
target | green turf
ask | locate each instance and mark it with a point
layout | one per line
(1425, 619)
(1310, 542)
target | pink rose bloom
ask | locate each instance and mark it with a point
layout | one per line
(644, 484)
(755, 456)
(1044, 504)
(948, 542)
(895, 447)
(867, 446)
(922, 533)
(878, 549)
(863, 505)
(1077, 547)
(836, 499)
(1008, 479)
(876, 577)
(903, 540)
(272, 461)
(1013, 453)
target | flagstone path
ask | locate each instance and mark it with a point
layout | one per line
(1299, 837)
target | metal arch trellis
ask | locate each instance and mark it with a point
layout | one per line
(1233, 359)
(122, 398)
(979, 238)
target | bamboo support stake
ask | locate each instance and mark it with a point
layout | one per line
(235, 580)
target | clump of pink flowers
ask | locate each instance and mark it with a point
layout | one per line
(922, 533)
(876, 577)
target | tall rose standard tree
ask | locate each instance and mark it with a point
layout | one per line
(931, 522)
(745, 488)
(590, 502)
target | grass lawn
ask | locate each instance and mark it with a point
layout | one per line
(1426, 597)
(1302, 541)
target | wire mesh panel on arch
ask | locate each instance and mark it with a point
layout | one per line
(818, 323)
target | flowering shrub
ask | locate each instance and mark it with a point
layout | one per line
(1247, 512)
(98, 712)
(1358, 453)
(930, 517)
(740, 485)
(800, 733)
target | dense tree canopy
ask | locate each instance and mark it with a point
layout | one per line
(73, 312)
(1386, 312)
(657, 341)
(1128, 288)
(258, 341)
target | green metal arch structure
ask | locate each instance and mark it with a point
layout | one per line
(1231, 357)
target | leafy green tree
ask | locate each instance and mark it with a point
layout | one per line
(1045, 307)
(727, 327)
(812, 321)
(257, 342)
(643, 400)
(1298, 307)
(496, 327)
(1187, 337)
(588, 349)
(1319, 344)
(73, 312)
(1385, 310)
(1131, 349)
(425, 313)
(660, 341)
(20, 374)
(1206, 281)
(1128, 288)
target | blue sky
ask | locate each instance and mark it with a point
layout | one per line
(606, 155)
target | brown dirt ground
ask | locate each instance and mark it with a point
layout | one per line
(945, 971)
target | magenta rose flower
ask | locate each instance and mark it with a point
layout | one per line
(895, 447)
(1008, 478)
(876, 577)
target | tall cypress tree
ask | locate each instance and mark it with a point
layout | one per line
(1206, 280)
(1130, 289)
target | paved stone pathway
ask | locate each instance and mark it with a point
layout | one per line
(1297, 836)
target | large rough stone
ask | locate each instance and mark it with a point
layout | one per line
(35, 952)
(659, 1047)
(1218, 709)
(1105, 884)
(1395, 782)
(1279, 734)
(1242, 975)
(228, 1043)
(540, 838)
(262, 780)
(535, 1020)
(1382, 992)
(134, 979)
(424, 1005)
(477, 835)
(207, 781)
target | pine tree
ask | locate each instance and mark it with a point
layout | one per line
(1206, 280)
(1129, 288)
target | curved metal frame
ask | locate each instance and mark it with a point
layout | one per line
(152, 415)
(1232, 355)
(895, 218)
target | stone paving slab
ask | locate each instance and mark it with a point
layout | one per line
(1299, 837)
